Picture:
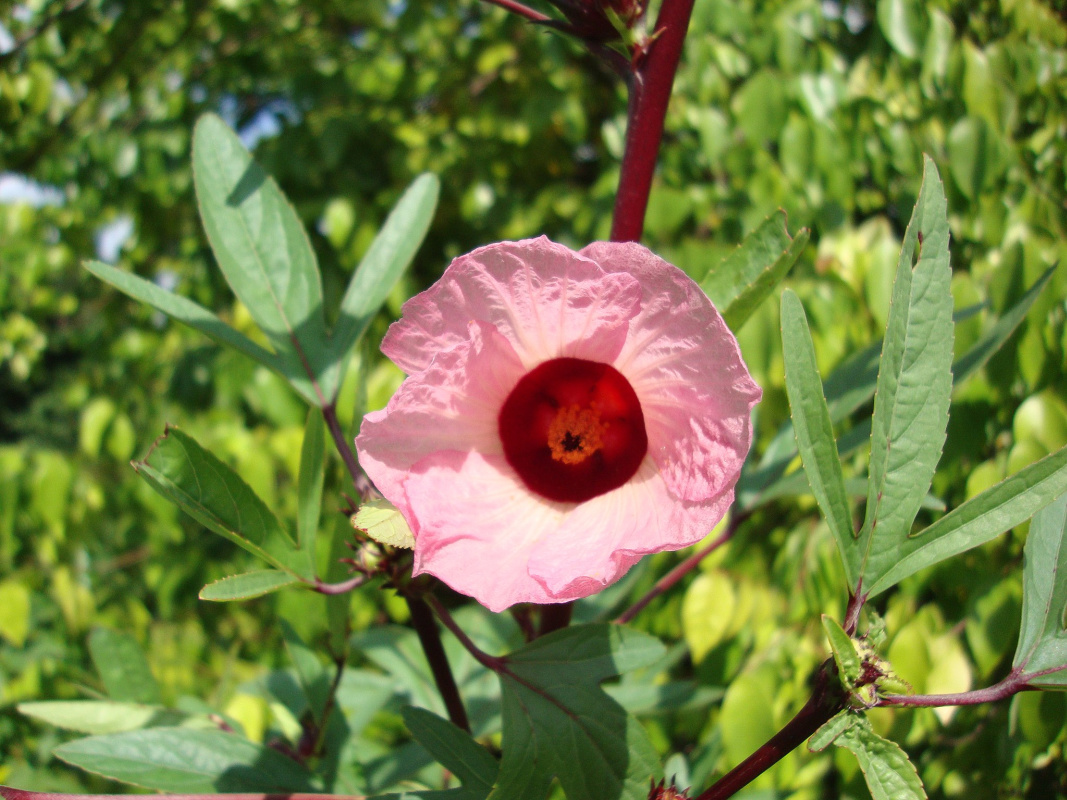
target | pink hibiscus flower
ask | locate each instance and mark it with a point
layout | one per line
(565, 414)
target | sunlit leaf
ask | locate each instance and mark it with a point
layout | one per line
(185, 760)
(247, 585)
(914, 384)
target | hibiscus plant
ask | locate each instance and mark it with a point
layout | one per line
(565, 414)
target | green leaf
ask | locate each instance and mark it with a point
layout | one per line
(189, 313)
(999, 332)
(122, 666)
(1043, 635)
(845, 655)
(314, 679)
(453, 748)
(1011, 502)
(914, 384)
(14, 612)
(825, 736)
(886, 768)
(102, 716)
(213, 494)
(384, 262)
(902, 25)
(747, 276)
(853, 383)
(310, 481)
(384, 523)
(559, 723)
(814, 433)
(185, 760)
(263, 250)
(247, 585)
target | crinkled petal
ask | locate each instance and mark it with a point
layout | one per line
(685, 366)
(544, 298)
(602, 538)
(478, 525)
(451, 405)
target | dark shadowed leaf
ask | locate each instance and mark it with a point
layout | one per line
(263, 250)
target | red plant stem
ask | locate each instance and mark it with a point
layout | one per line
(430, 638)
(825, 702)
(650, 91)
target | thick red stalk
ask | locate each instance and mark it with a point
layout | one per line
(650, 92)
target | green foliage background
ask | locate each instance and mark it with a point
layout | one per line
(821, 109)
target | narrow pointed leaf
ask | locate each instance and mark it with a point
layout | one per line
(213, 494)
(185, 311)
(886, 768)
(122, 666)
(559, 723)
(453, 748)
(1043, 635)
(247, 585)
(914, 383)
(263, 250)
(186, 761)
(814, 433)
(1011, 502)
(385, 261)
(747, 276)
(310, 481)
(314, 678)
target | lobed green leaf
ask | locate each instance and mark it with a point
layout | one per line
(747, 276)
(187, 761)
(454, 749)
(1043, 634)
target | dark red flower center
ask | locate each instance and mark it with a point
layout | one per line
(573, 429)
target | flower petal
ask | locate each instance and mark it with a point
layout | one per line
(451, 405)
(544, 298)
(478, 526)
(685, 366)
(602, 538)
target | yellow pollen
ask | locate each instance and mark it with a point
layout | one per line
(574, 434)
